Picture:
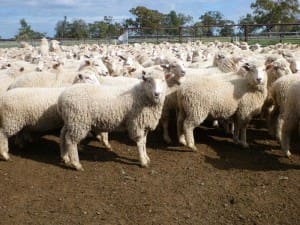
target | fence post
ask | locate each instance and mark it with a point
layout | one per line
(246, 33)
(180, 34)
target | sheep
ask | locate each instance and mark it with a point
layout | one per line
(277, 98)
(105, 109)
(31, 110)
(44, 47)
(291, 116)
(59, 79)
(239, 99)
(54, 46)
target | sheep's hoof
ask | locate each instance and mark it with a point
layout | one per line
(245, 145)
(65, 159)
(145, 164)
(288, 154)
(109, 149)
(193, 148)
(182, 140)
(5, 156)
(215, 123)
(76, 166)
(168, 140)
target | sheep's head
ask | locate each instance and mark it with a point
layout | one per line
(95, 65)
(277, 69)
(86, 76)
(154, 86)
(255, 75)
(176, 68)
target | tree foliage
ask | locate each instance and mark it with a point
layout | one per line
(275, 11)
(215, 18)
(25, 32)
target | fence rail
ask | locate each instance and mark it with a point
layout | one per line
(265, 34)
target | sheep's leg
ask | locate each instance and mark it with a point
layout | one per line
(141, 145)
(103, 137)
(188, 129)
(71, 148)
(244, 137)
(165, 125)
(279, 127)
(236, 133)
(289, 124)
(4, 145)
(272, 121)
(145, 148)
(180, 133)
(63, 149)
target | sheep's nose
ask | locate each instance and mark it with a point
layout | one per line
(183, 73)
(156, 94)
(259, 79)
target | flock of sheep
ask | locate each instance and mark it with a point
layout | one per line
(96, 89)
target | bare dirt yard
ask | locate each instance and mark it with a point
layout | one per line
(220, 184)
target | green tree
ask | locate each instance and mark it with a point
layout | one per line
(102, 29)
(227, 30)
(248, 19)
(61, 28)
(78, 29)
(146, 18)
(174, 20)
(275, 11)
(25, 32)
(214, 18)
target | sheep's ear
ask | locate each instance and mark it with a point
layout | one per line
(55, 65)
(122, 57)
(80, 76)
(144, 76)
(21, 69)
(132, 70)
(269, 66)
(8, 65)
(246, 66)
(168, 76)
(87, 62)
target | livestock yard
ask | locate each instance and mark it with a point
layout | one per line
(233, 162)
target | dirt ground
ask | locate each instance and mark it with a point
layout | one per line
(220, 184)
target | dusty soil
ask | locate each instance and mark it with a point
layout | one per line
(220, 184)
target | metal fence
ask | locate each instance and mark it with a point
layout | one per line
(264, 34)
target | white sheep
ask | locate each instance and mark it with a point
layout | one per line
(277, 98)
(291, 116)
(31, 110)
(55, 79)
(44, 47)
(240, 99)
(105, 109)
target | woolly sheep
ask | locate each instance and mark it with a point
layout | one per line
(200, 98)
(277, 98)
(44, 47)
(291, 116)
(105, 109)
(50, 79)
(31, 110)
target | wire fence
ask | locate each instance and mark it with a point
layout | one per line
(264, 34)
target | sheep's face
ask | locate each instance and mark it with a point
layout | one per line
(177, 69)
(278, 69)
(255, 75)
(155, 87)
(86, 76)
